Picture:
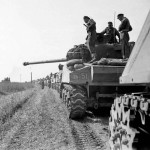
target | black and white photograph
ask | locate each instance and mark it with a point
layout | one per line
(74, 74)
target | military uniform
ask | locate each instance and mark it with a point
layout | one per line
(91, 38)
(124, 28)
(111, 34)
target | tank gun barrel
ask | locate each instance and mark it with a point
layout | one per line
(46, 61)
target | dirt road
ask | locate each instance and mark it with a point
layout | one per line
(42, 123)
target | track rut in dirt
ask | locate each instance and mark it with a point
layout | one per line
(85, 137)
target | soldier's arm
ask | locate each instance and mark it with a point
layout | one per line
(117, 33)
(104, 31)
(90, 23)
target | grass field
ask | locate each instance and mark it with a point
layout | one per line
(11, 87)
(12, 97)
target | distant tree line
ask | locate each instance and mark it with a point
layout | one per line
(7, 79)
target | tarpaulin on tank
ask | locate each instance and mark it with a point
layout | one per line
(79, 52)
(110, 62)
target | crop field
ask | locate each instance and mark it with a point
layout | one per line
(11, 87)
(12, 97)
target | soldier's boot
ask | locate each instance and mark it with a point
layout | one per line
(94, 57)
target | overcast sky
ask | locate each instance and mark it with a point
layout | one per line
(33, 30)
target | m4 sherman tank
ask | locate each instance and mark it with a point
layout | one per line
(84, 85)
(129, 121)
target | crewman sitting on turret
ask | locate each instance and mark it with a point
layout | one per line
(111, 33)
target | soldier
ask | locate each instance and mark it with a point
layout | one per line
(42, 83)
(124, 28)
(111, 33)
(91, 37)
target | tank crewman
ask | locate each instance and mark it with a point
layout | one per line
(111, 33)
(91, 37)
(124, 28)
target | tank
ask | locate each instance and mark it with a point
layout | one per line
(83, 85)
(129, 121)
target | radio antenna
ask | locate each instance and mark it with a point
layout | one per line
(114, 27)
(114, 18)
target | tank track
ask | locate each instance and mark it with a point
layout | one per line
(74, 98)
(129, 123)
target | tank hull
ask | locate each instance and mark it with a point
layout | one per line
(97, 74)
(99, 83)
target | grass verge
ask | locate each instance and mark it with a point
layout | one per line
(11, 87)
